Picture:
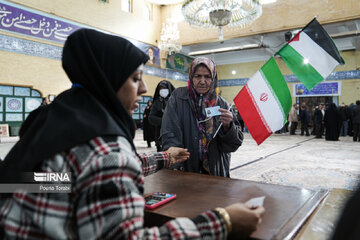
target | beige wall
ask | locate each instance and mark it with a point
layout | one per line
(350, 91)
(152, 82)
(47, 75)
(106, 16)
(43, 74)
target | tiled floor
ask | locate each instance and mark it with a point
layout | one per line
(289, 160)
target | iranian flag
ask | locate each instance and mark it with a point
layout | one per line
(264, 102)
(311, 55)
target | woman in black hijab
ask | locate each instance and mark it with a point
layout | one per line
(162, 94)
(87, 133)
(332, 123)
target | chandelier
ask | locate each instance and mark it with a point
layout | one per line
(220, 13)
(169, 37)
(165, 2)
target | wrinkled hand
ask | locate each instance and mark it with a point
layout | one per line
(177, 155)
(244, 219)
(226, 118)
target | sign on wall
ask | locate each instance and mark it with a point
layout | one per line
(322, 89)
(26, 21)
(179, 62)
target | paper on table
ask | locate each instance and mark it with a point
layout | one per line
(256, 202)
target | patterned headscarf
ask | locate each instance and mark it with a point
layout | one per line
(200, 102)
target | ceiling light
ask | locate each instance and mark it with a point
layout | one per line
(169, 37)
(221, 13)
(224, 49)
(233, 72)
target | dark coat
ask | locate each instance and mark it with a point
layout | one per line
(318, 116)
(332, 122)
(356, 114)
(156, 115)
(149, 129)
(304, 116)
(344, 113)
(179, 128)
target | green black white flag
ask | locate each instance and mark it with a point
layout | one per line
(311, 55)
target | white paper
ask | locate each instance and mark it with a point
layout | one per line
(256, 202)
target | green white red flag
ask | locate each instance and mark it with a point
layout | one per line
(311, 55)
(264, 102)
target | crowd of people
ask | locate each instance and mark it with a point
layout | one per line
(325, 120)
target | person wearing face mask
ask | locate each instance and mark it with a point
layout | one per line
(185, 123)
(162, 94)
(88, 131)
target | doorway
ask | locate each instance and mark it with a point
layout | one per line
(312, 102)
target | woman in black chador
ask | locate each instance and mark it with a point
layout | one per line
(332, 122)
(149, 129)
(162, 94)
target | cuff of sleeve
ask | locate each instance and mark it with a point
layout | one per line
(211, 223)
(167, 160)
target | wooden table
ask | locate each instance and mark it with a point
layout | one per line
(322, 222)
(287, 208)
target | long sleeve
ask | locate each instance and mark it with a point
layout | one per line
(106, 201)
(111, 203)
(153, 162)
(171, 131)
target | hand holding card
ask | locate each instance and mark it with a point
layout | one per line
(212, 111)
(256, 202)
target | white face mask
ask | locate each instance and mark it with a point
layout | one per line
(164, 93)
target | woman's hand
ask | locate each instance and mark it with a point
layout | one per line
(226, 118)
(244, 219)
(177, 155)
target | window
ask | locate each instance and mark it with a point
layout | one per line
(126, 5)
(147, 12)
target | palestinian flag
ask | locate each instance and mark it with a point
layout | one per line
(264, 102)
(311, 55)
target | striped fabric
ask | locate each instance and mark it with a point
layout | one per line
(106, 200)
(311, 55)
(264, 102)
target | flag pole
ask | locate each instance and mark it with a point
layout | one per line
(221, 122)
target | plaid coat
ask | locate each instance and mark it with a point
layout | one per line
(106, 201)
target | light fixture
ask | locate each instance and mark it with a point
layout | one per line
(221, 13)
(169, 37)
(225, 49)
(165, 2)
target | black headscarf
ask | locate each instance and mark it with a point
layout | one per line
(98, 65)
(163, 85)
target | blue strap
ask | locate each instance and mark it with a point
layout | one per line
(77, 85)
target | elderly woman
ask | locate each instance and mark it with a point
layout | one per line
(88, 131)
(185, 123)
